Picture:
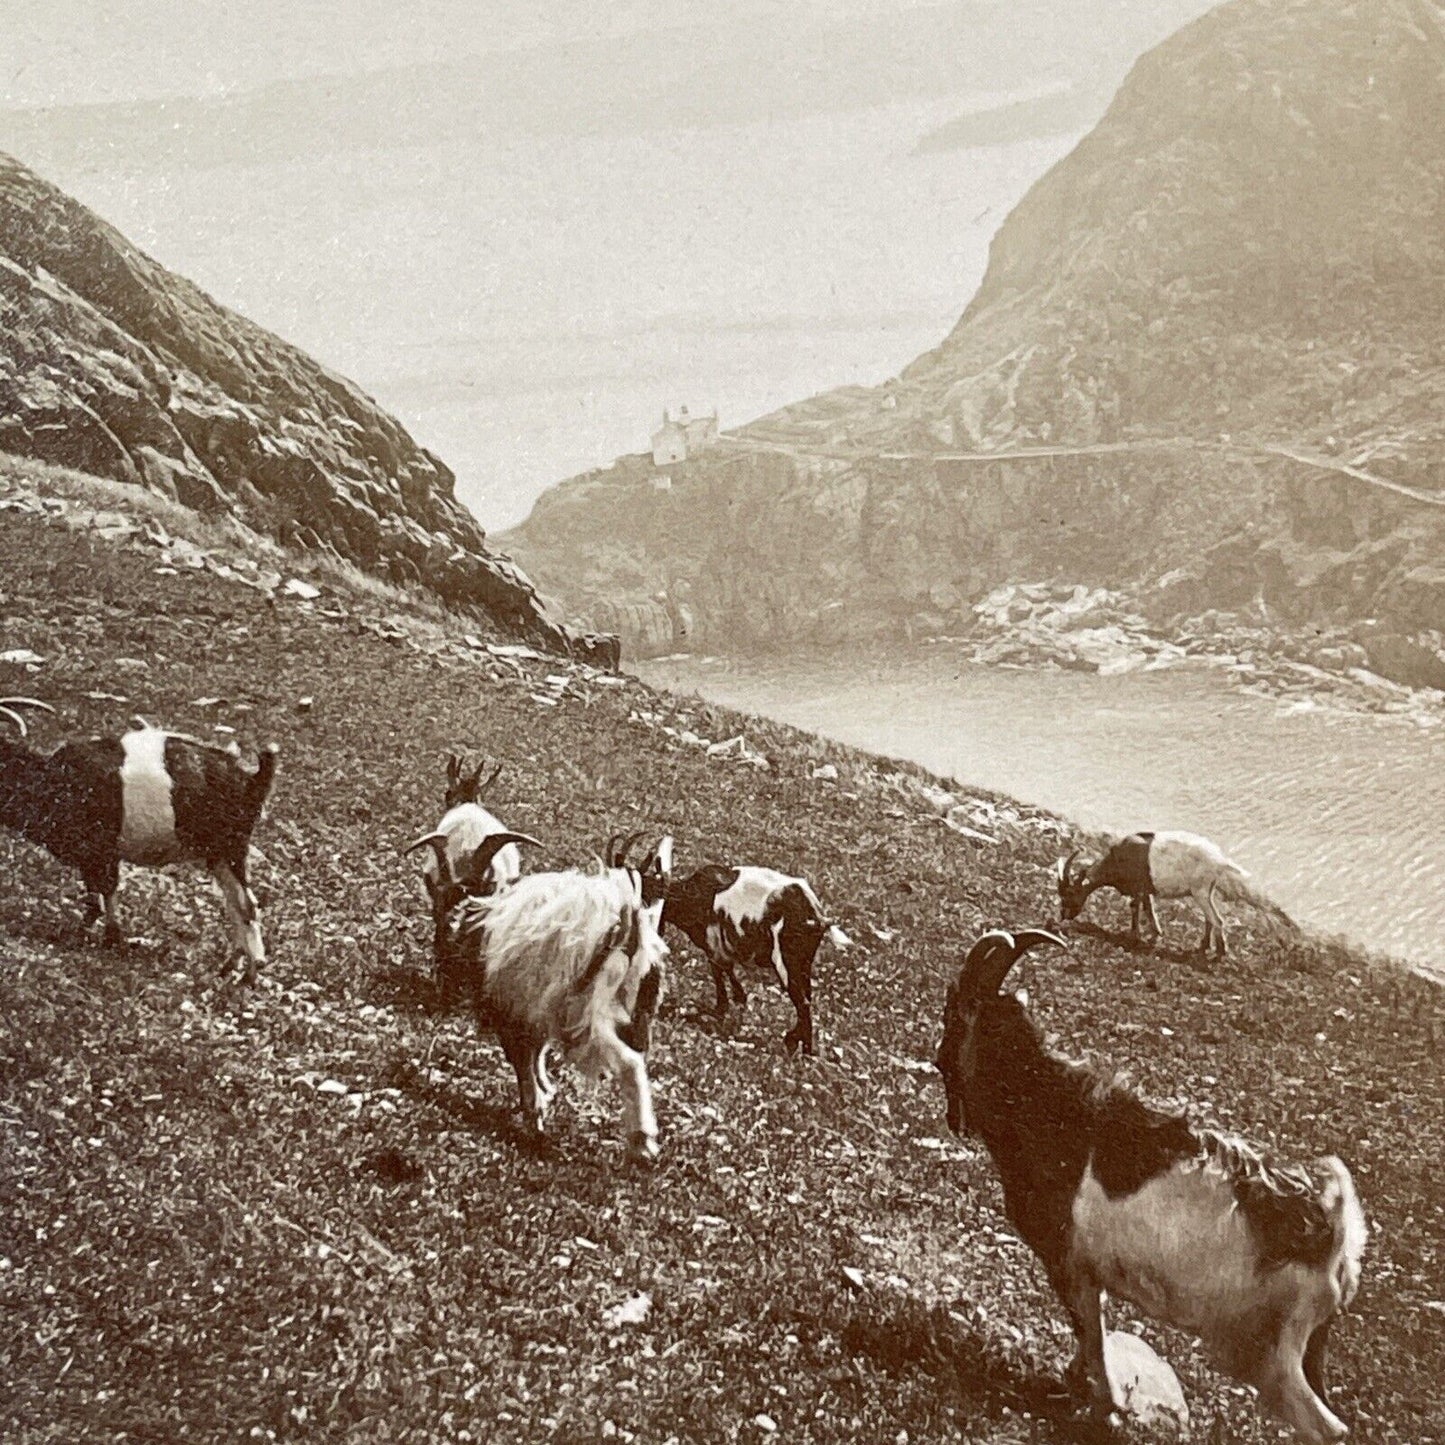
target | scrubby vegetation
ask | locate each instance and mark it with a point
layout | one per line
(306, 1211)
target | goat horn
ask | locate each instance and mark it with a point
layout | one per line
(990, 959)
(619, 846)
(437, 842)
(8, 706)
(659, 856)
(496, 773)
(488, 849)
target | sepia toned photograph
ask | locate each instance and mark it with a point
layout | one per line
(722, 721)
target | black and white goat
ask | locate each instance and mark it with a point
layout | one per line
(572, 958)
(465, 824)
(1194, 1227)
(757, 917)
(149, 797)
(1146, 866)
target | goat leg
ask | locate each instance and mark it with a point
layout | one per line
(739, 996)
(802, 1031)
(102, 880)
(1316, 1360)
(242, 915)
(517, 1047)
(630, 1068)
(1153, 916)
(546, 1089)
(113, 937)
(1287, 1394)
(91, 907)
(719, 979)
(1082, 1299)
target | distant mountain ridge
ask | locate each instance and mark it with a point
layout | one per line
(1245, 258)
(113, 365)
(733, 71)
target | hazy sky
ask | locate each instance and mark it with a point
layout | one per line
(69, 51)
(712, 201)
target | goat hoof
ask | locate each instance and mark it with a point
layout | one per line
(643, 1148)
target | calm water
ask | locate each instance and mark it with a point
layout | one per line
(1337, 816)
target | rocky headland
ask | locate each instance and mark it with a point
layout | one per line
(1205, 371)
(117, 367)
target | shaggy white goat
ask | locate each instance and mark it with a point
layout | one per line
(570, 958)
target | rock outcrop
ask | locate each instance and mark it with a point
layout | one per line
(1214, 331)
(113, 365)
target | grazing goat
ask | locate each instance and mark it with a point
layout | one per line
(1145, 866)
(758, 917)
(465, 824)
(149, 797)
(1113, 1194)
(573, 958)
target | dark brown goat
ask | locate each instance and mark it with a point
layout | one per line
(1113, 1194)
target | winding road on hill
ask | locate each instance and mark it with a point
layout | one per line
(1294, 454)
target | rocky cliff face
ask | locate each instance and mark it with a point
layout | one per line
(112, 365)
(1221, 319)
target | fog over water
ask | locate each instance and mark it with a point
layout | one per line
(1336, 815)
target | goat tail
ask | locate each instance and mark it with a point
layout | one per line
(1341, 1203)
(1234, 885)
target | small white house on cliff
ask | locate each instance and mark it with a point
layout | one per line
(682, 436)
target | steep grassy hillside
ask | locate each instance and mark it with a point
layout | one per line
(1219, 320)
(111, 363)
(304, 1212)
